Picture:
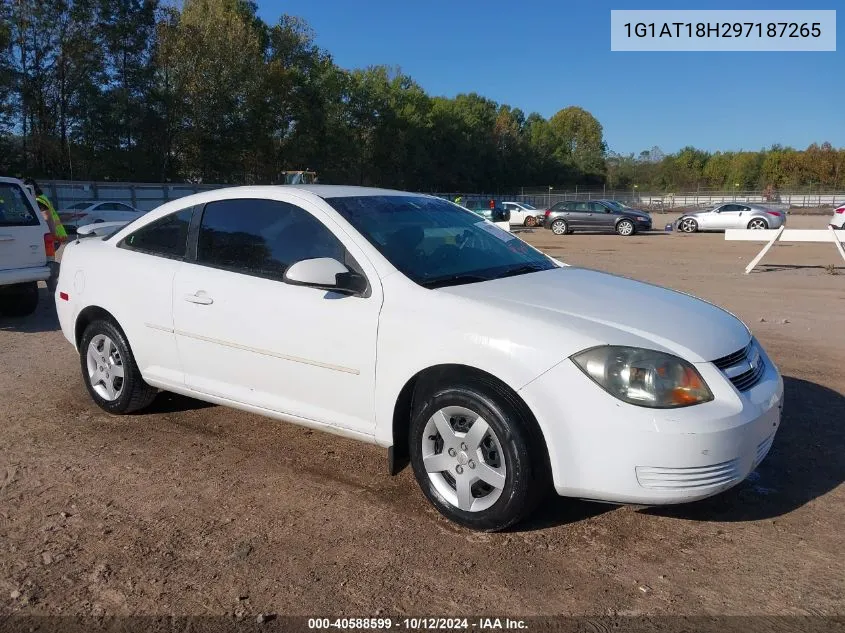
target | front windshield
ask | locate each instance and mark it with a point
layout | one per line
(436, 243)
(530, 207)
(80, 205)
(616, 206)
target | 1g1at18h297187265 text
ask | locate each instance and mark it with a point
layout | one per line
(723, 30)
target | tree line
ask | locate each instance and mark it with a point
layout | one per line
(775, 169)
(144, 91)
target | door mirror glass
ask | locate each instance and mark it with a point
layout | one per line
(324, 273)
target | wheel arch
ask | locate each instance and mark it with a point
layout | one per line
(87, 316)
(434, 375)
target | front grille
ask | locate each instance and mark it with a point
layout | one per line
(748, 379)
(688, 478)
(732, 359)
(744, 368)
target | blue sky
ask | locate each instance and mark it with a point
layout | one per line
(545, 55)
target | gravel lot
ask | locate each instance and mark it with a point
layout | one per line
(195, 509)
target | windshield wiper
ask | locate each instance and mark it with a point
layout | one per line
(453, 280)
(522, 270)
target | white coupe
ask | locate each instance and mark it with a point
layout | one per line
(407, 321)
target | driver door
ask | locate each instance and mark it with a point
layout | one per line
(245, 335)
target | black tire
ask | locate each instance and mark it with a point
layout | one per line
(135, 394)
(19, 300)
(765, 224)
(530, 222)
(691, 222)
(526, 480)
(625, 228)
(560, 227)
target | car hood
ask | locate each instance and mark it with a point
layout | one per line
(576, 308)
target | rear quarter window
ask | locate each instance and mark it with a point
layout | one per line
(15, 208)
(166, 237)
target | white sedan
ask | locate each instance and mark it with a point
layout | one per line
(524, 214)
(91, 211)
(406, 321)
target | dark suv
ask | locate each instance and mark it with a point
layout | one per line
(596, 215)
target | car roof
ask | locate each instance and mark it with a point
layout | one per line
(345, 191)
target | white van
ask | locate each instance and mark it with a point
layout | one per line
(25, 245)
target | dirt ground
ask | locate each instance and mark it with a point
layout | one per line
(195, 509)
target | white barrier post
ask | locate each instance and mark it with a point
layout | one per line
(785, 235)
(765, 250)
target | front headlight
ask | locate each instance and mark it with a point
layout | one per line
(644, 377)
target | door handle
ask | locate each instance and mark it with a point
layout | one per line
(200, 298)
(6, 238)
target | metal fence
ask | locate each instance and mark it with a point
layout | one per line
(146, 196)
(668, 201)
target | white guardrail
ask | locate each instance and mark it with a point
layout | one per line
(784, 234)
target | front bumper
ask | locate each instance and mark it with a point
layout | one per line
(604, 449)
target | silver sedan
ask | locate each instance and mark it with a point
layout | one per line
(732, 215)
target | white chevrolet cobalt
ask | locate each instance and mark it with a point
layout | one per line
(407, 321)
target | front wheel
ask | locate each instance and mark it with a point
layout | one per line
(559, 227)
(688, 225)
(110, 372)
(473, 457)
(758, 224)
(625, 228)
(530, 222)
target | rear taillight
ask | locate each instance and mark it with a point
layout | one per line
(49, 245)
(841, 210)
(548, 212)
(64, 296)
(777, 214)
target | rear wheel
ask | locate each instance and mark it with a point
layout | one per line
(110, 372)
(559, 227)
(474, 457)
(530, 221)
(625, 228)
(758, 224)
(19, 300)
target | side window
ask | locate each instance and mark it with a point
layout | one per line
(728, 208)
(262, 237)
(167, 236)
(743, 208)
(597, 207)
(582, 207)
(106, 206)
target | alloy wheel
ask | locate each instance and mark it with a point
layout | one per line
(688, 225)
(464, 459)
(105, 367)
(757, 224)
(625, 227)
(559, 227)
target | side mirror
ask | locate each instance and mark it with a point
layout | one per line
(325, 273)
(501, 215)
